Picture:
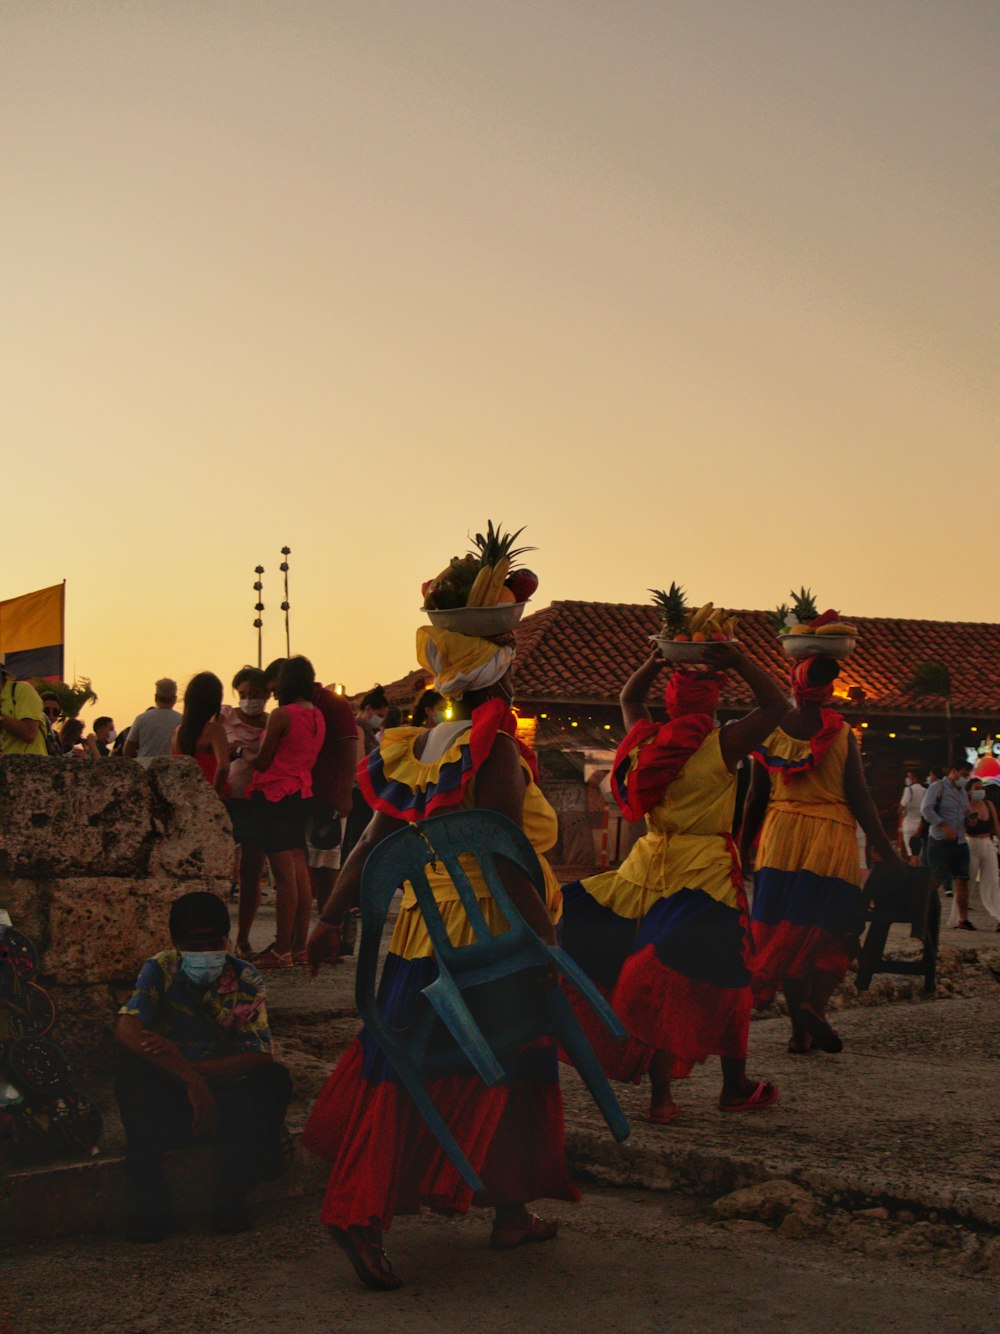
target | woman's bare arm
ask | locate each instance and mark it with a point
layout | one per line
(634, 691)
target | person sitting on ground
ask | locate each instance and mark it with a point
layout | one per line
(198, 1059)
(201, 733)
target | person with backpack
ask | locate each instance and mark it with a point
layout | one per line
(23, 727)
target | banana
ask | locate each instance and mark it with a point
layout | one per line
(701, 616)
(499, 574)
(801, 630)
(730, 626)
(480, 586)
(838, 628)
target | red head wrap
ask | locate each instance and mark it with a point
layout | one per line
(804, 692)
(830, 722)
(692, 692)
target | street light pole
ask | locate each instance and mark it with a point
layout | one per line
(286, 552)
(258, 588)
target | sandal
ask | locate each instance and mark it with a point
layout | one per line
(272, 958)
(535, 1229)
(800, 1044)
(763, 1095)
(823, 1036)
(379, 1275)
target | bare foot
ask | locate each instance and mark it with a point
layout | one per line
(517, 1226)
(662, 1111)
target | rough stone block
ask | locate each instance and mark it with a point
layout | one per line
(101, 930)
(74, 817)
(194, 832)
(27, 903)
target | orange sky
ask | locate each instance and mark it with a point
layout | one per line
(695, 291)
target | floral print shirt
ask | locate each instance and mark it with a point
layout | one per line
(227, 1018)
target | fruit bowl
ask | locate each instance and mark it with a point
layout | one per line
(482, 621)
(681, 650)
(824, 646)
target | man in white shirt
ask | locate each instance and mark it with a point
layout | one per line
(152, 731)
(909, 817)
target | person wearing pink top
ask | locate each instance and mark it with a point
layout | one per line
(280, 790)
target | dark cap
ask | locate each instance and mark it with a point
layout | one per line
(199, 916)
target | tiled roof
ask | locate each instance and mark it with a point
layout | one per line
(576, 652)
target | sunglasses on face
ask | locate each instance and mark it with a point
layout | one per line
(52, 712)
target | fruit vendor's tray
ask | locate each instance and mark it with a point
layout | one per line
(481, 621)
(826, 646)
(681, 651)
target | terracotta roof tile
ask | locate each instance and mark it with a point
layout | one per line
(571, 652)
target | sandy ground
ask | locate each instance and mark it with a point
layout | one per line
(625, 1260)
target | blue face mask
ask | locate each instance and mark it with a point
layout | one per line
(202, 967)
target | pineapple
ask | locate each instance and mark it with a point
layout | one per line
(495, 546)
(673, 609)
(803, 606)
(494, 555)
(779, 618)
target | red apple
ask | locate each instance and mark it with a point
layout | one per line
(522, 583)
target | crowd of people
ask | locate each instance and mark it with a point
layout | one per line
(312, 787)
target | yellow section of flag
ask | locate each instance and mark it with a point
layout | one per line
(34, 620)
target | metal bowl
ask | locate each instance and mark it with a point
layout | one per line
(682, 650)
(824, 646)
(481, 621)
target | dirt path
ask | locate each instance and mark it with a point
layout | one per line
(625, 1261)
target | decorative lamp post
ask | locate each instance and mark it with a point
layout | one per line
(258, 624)
(283, 567)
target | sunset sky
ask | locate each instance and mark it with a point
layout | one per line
(695, 289)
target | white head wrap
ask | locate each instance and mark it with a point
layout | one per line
(461, 662)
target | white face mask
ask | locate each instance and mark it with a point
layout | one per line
(978, 795)
(909, 782)
(110, 737)
(252, 707)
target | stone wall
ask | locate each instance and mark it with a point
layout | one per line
(92, 856)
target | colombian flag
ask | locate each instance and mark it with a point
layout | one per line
(31, 633)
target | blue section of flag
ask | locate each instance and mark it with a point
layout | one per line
(28, 662)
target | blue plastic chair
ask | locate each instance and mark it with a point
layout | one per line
(490, 997)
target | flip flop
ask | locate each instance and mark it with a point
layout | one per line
(537, 1230)
(381, 1279)
(663, 1120)
(764, 1095)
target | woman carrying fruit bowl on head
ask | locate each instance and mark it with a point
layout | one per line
(384, 1159)
(807, 795)
(665, 936)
